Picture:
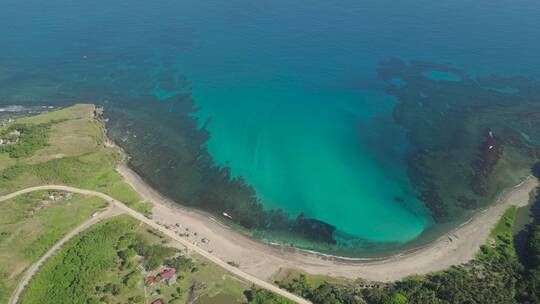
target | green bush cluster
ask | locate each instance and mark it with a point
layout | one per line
(181, 264)
(72, 275)
(31, 138)
(79, 273)
(529, 291)
(324, 293)
(262, 296)
(154, 255)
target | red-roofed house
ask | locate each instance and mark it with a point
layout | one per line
(167, 273)
(151, 280)
(158, 301)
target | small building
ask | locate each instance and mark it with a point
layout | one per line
(167, 273)
(150, 280)
(172, 280)
(158, 301)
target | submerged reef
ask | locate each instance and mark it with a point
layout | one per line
(470, 137)
(489, 154)
(154, 122)
(314, 229)
(174, 160)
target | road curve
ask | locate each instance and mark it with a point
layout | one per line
(124, 208)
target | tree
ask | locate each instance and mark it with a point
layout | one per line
(261, 296)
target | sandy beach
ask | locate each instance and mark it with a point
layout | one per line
(263, 260)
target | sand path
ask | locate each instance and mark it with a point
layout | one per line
(263, 260)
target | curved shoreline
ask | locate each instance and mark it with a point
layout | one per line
(263, 260)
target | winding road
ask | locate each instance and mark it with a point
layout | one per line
(118, 207)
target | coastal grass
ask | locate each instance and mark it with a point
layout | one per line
(102, 265)
(30, 225)
(504, 227)
(78, 111)
(75, 155)
(5, 160)
(312, 280)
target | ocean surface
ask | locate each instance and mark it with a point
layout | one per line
(287, 90)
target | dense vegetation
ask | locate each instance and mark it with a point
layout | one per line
(261, 296)
(30, 224)
(529, 287)
(74, 273)
(111, 262)
(79, 271)
(26, 138)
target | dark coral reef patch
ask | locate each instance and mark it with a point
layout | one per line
(470, 138)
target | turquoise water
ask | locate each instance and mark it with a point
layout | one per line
(302, 151)
(289, 89)
(446, 76)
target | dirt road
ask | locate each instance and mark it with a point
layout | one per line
(118, 207)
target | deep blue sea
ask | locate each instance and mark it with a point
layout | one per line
(288, 89)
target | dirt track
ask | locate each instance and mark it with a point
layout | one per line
(118, 207)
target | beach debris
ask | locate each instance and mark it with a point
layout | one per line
(233, 264)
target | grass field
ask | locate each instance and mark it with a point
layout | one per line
(505, 224)
(95, 268)
(75, 155)
(30, 224)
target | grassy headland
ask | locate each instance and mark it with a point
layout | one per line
(71, 150)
